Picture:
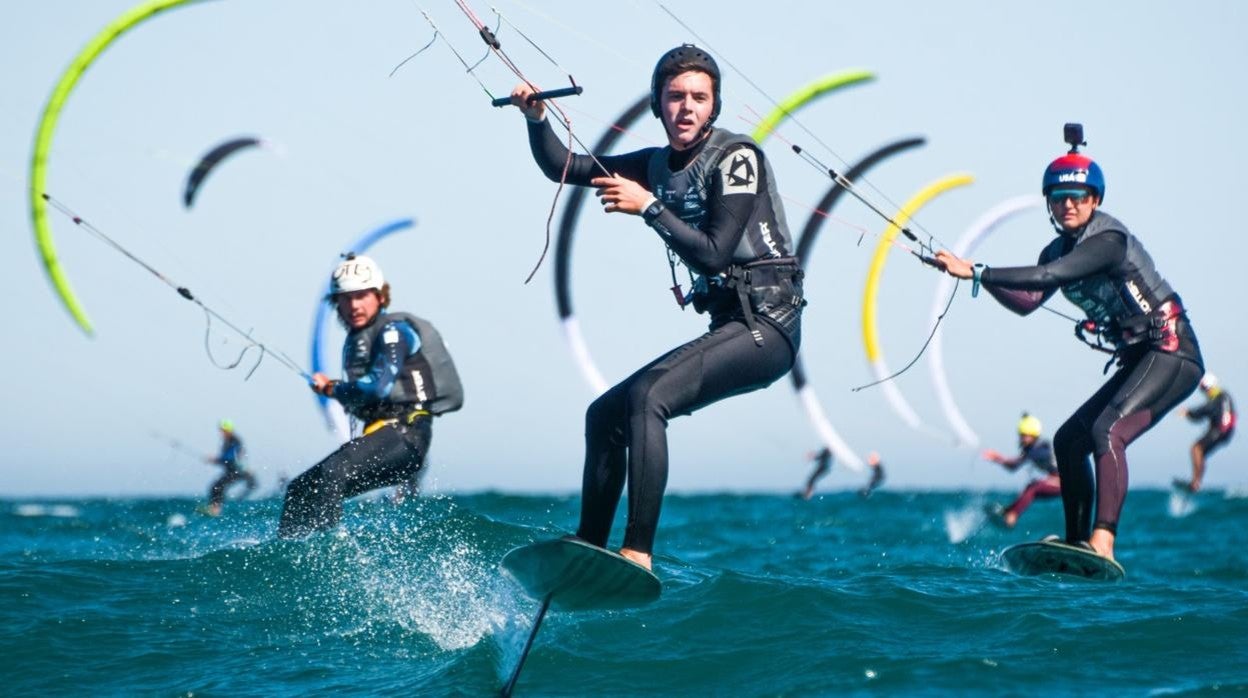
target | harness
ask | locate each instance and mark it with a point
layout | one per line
(1158, 328)
(408, 419)
(761, 287)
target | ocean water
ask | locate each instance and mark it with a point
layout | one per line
(902, 593)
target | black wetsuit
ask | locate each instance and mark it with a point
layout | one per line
(231, 459)
(1220, 412)
(877, 479)
(723, 218)
(399, 377)
(1104, 270)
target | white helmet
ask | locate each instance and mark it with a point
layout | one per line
(356, 273)
(1209, 382)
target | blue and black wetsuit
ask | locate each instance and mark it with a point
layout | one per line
(722, 216)
(1103, 269)
(399, 376)
(231, 458)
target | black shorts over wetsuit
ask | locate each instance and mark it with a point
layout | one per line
(1103, 269)
(723, 218)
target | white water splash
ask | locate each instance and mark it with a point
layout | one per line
(1181, 505)
(64, 511)
(963, 523)
(453, 606)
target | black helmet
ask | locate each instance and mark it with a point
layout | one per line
(684, 55)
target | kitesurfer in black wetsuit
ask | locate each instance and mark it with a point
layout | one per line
(1102, 268)
(823, 465)
(1219, 411)
(231, 459)
(877, 475)
(1039, 453)
(711, 198)
(399, 376)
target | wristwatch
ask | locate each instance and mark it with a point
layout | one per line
(653, 210)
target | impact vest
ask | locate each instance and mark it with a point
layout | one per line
(427, 380)
(763, 278)
(1042, 457)
(686, 192)
(1133, 299)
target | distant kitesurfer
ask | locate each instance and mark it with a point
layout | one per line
(1037, 452)
(399, 376)
(711, 197)
(877, 475)
(1102, 268)
(231, 459)
(1219, 411)
(823, 465)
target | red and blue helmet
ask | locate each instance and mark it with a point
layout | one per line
(1074, 169)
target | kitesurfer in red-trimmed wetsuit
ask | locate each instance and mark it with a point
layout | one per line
(1219, 411)
(1102, 268)
(1039, 453)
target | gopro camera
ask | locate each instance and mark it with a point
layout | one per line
(1074, 136)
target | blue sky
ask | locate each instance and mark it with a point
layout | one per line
(988, 84)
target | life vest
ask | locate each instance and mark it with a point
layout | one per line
(685, 193)
(1131, 303)
(1042, 457)
(427, 380)
(763, 278)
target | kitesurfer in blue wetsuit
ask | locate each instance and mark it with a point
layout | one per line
(231, 459)
(399, 376)
(710, 196)
(1219, 411)
(1102, 268)
(1035, 451)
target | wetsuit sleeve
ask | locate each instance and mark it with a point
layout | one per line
(1012, 464)
(551, 154)
(1023, 289)
(396, 341)
(1205, 411)
(729, 206)
(1098, 255)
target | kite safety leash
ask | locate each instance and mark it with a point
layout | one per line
(183, 291)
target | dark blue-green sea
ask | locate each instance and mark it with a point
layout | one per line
(768, 595)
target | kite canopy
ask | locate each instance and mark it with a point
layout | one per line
(43, 146)
(209, 162)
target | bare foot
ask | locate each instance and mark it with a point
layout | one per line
(1010, 519)
(1102, 542)
(642, 559)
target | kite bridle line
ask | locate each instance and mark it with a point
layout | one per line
(209, 313)
(490, 38)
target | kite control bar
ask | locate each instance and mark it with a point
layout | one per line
(544, 95)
